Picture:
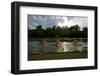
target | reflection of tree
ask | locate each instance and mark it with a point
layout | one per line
(56, 31)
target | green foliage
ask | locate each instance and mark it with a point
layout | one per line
(75, 28)
(56, 31)
(85, 29)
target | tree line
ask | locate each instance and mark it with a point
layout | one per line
(55, 31)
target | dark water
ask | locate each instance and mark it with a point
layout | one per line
(36, 46)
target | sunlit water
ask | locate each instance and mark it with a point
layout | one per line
(49, 46)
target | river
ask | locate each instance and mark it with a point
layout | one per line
(53, 45)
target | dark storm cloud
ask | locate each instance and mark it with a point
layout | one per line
(46, 21)
(49, 21)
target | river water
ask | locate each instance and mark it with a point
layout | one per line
(36, 46)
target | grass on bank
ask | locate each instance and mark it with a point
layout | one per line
(54, 56)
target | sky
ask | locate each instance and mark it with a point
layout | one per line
(50, 20)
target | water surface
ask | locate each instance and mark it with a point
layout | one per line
(52, 45)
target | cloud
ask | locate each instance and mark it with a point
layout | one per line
(49, 21)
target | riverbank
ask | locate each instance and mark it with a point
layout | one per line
(54, 56)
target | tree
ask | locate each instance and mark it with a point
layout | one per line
(39, 27)
(65, 31)
(75, 28)
(85, 32)
(40, 31)
(54, 27)
(85, 29)
(56, 31)
(49, 32)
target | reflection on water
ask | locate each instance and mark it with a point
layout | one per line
(50, 46)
